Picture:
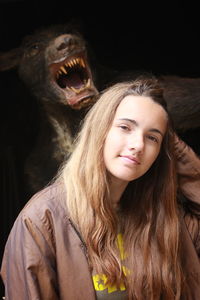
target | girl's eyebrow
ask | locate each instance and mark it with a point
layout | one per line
(136, 124)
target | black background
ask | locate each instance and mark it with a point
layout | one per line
(162, 38)
(159, 37)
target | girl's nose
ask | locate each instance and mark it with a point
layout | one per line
(136, 142)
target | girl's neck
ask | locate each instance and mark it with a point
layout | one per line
(117, 188)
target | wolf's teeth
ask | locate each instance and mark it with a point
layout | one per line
(82, 62)
(88, 83)
(63, 69)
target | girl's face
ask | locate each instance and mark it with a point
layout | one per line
(134, 139)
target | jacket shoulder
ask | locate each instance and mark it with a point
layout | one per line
(51, 199)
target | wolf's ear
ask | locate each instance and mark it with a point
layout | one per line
(10, 59)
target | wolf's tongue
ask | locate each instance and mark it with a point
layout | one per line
(72, 80)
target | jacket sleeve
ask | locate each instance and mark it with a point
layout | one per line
(28, 266)
(188, 168)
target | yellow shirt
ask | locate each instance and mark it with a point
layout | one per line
(106, 291)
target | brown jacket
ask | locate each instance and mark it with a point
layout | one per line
(46, 259)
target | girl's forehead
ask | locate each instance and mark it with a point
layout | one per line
(143, 111)
(132, 104)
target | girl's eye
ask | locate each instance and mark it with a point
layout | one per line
(153, 138)
(124, 127)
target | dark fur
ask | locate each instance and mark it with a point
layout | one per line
(60, 110)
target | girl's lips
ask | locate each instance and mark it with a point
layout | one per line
(130, 159)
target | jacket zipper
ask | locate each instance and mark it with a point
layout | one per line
(83, 245)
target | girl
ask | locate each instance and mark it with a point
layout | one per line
(110, 226)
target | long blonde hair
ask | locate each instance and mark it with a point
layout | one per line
(148, 218)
